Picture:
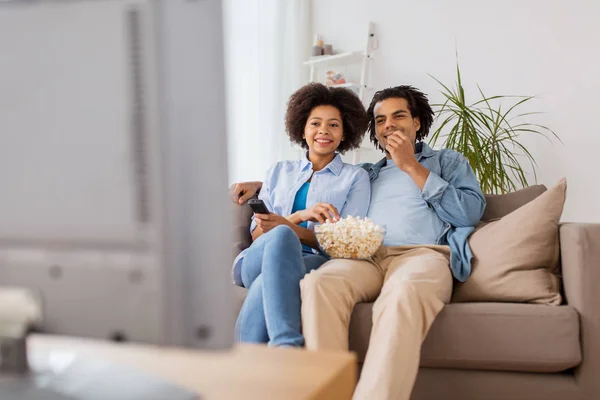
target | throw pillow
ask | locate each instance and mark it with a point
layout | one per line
(515, 259)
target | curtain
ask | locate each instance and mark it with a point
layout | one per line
(265, 44)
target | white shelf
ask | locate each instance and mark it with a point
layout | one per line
(319, 63)
(342, 58)
(349, 85)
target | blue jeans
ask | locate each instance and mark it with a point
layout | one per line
(272, 270)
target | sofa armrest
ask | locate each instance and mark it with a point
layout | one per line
(242, 216)
(580, 257)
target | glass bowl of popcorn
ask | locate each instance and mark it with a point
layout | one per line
(350, 237)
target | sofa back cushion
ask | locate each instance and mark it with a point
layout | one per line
(499, 205)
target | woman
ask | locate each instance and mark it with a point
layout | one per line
(325, 122)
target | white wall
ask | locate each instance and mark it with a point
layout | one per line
(550, 49)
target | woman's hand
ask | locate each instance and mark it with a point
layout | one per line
(320, 212)
(266, 222)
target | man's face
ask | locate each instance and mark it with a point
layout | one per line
(393, 115)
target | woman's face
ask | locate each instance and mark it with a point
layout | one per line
(324, 131)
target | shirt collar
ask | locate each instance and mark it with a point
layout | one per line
(423, 151)
(305, 162)
(335, 166)
(381, 163)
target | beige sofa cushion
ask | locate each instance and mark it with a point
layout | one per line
(499, 205)
(516, 258)
(490, 336)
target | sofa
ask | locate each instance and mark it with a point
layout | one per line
(505, 350)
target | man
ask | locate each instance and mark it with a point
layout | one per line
(429, 201)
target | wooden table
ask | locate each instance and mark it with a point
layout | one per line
(244, 372)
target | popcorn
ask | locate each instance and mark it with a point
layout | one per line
(350, 237)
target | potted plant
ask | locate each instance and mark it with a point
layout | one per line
(487, 133)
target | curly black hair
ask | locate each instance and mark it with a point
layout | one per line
(417, 104)
(305, 99)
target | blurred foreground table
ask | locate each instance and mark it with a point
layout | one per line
(244, 372)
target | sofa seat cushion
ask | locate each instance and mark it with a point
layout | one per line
(491, 336)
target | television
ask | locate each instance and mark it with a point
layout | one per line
(113, 168)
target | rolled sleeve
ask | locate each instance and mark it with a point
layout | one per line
(434, 189)
(456, 195)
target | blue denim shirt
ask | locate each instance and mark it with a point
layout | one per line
(453, 192)
(345, 186)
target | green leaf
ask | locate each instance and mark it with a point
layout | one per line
(487, 132)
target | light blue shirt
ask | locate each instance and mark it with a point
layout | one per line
(453, 193)
(345, 186)
(397, 204)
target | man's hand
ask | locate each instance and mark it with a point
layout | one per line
(320, 212)
(241, 192)
(402, 150)
(266, 222)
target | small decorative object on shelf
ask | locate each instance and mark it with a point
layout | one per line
(319, 40)
(317, 49)
(334, 78)
(328, 50)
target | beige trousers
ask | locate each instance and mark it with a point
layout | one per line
(409, 284)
